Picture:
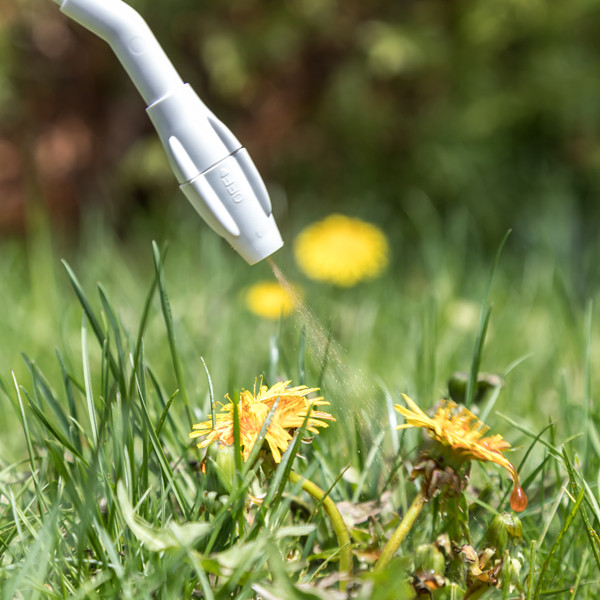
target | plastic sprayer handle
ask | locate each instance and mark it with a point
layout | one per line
(214, 171)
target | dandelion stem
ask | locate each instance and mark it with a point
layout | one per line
(337, 522)
(405, 526)
(478, 590)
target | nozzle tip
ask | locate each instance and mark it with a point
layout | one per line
(262, 248)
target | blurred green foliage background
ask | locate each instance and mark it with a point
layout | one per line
(485, 112)
(452, 120)
(445, 122)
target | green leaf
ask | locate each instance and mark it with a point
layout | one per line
(392, 583)
(173, 536)
(294, 531)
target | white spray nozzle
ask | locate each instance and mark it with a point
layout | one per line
(215, 172)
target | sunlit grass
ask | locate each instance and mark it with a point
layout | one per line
(103, 493)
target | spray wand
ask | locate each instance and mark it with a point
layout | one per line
(214, 170)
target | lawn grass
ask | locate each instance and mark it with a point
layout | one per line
(126, 344)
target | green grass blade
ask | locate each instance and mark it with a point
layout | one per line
(211, 394)
(587, 377)
(477, 353)
(280, 478)
(276, 487)
(528, 433)
(532, 563)
(42, 388)
(274, 357)
(571, 516)
(142, 329)
(165, 412)
(31, 572)
(87, 307)
(168, 319)
(90, 314)
(87, 378)
(178, 435)
(524, 460)
(56, 433)
(237, 437)
(367, 469)
(113, 322)
(73, 413)
(31, 453)
(165, 467)
(590, 531)
(482, 330)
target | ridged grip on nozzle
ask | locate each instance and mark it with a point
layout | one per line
(216, 173)
(232, 199)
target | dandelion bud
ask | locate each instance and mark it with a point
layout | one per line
(457, 386)
(429, 559)
(220, 467)
(504, 529)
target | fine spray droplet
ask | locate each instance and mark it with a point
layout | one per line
(518, 499)
(289, 288)
(330, 353)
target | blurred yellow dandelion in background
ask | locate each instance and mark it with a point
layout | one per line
(341, 250)
(459, 430)
(253, 410)
(268, 299)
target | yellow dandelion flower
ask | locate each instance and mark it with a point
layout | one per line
(270, 300)
(341, 250)
(253, 409)
(459, 430)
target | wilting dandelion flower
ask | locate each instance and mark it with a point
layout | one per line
(341, 250)
(462, 438)
(268, 299)
(253, 408)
